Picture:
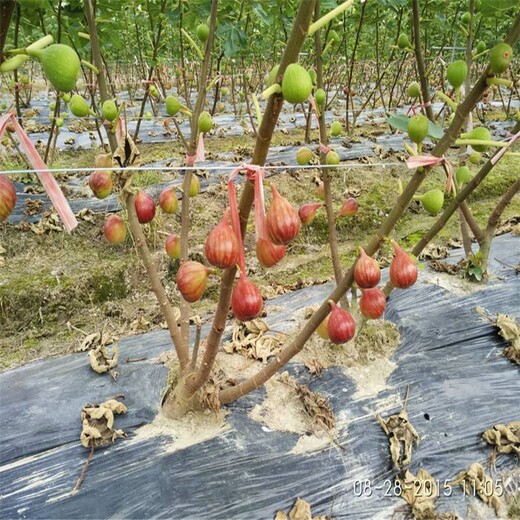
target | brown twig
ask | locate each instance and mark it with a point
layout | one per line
(83, 471)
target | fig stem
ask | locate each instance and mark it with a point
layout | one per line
(499, 144)
(273, 89)
(195, 47)
(325, 19)
(446, 99)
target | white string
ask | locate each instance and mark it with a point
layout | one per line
(229, 167)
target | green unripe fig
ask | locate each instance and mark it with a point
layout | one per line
(413, 90)
(153, 91)
(173, 105)
(65, 115)
(52, 106)
(474, 157)
(148, 115)
(465, 18)
(332, 158)
(3, 106)
(109, 110)
(500, 57)
(418, 128)
(463, 175)
(224, 91)
(320, 96)
(202, 32)
(60, 64)
(194, 186)
(403, 42)
(481, 133)
(335, 129)
(456, 73)
(205, 122)
(303, 156)
(314, 77)
(296, 84)
(59, 122)
(221, 106)
(24, 80)
(32, 4)
(66, 98)
(334, 36)
(481, 47)
(432, 201)
(272, 75)
(78, 106)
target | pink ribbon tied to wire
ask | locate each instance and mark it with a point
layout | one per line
(48, 181)
(419, 161)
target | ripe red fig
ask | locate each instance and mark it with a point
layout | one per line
(114, 229)
(100, 183)
(144, 207)
(222, 248)
(366, 272)
(269, 254)
(192, 278)
(246, 300)
(403, 271)
(372, 303)
(341, 327)
(307, 212)
(173, 246)
(7, 197)
(168, 200)
(349, 208)
(282, 221)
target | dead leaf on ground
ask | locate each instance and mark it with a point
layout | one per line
(252, 340)
(509, 329)
(419, 491)
(101, 360)
(98, 423)
(475, 481)
(444, 267)
(504, 437)
(434, 252)
(300, 511)
(401, 435)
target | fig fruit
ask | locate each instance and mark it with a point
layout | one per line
(332, 158)
(269, 254)
(304, 156)
(114, 229)
(100, 183)
(366, 271)
(202, 32)
(403, 42)
(282, 220)
(7, 197)
(222, 249)
(307, 212)
(456, 73)
(320, 96)
(246, 299)
(432, 201)
(500, 57)
(335, 129)
(413, 90)
(372, 303)
(205, 122)
(173, 105)
(463, 175)
(144, 207)
(192, 278)
(418, 128)
(296, 84)
(271, 79)
(481, 47)
(109, 110)
(341, 326)
(481, 133)
(168, 200)
(60, 64)
(403, 271)
(349, 208)
(194, 186)
(172, 246)
(78, 106)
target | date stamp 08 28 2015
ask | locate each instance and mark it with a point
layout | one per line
(366, 488)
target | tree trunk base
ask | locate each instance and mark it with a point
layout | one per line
(179, 402)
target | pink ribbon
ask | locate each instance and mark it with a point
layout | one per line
(502, 151)
(323, 148)
(414, 107)
(430, 160)
(235, 218)
(200, 154)
(48, 181)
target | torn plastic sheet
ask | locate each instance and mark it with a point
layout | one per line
(460, 385)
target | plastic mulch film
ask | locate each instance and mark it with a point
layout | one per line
(450, 356)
